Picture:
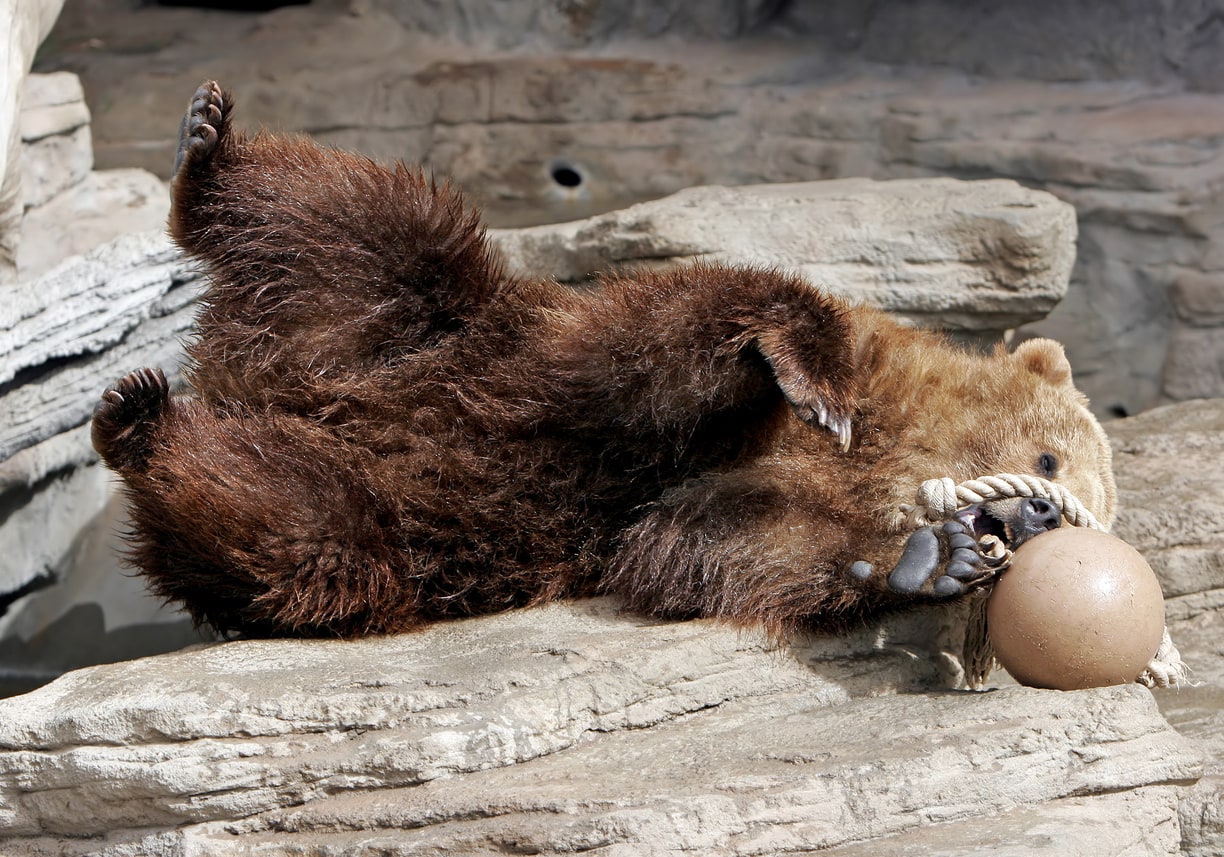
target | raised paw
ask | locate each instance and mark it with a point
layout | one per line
(124, 416)
(821, 410)
(202, 125)
(817, 404)
(943, 560)
(808, 340)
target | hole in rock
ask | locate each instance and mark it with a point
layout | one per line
(234, 5)
(566, 175)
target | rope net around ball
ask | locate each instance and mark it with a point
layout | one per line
(940, 499)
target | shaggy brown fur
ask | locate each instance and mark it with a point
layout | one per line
(386, 430)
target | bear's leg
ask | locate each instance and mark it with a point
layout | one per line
(946, 559)
(699, 362)
(753, 545)
(761, 544)
(323, 264)
(262, 523)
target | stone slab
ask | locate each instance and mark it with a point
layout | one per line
(976, 257)
(547, 730)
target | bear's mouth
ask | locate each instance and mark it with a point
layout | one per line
(979, 520)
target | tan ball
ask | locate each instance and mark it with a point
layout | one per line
(1077, 608)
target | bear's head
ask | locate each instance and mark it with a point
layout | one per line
(1044, 428)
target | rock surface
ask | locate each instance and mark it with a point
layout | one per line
(24, 25)
(85, 324)
(555, 730)
(63, 338)
(69, 208)
(1170, 468)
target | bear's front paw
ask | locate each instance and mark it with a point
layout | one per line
(943, 560)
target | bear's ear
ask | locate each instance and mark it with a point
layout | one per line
(1046, 358)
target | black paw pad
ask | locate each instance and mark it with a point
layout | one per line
(918, 562)
(942, 560)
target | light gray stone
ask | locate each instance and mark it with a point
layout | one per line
(42, 525)
(552, 730)
(25, 25)
(103, 205)
(1127, 823)
(1199, 299)
(979, 258)
(52, 104)
(69, 209)
(56, 150)
(86, 323)
(51, 166)
(1170, 470)
(64, 338)
(575, 24)
(1169, 466)
(1195, 366)
(1197, 711)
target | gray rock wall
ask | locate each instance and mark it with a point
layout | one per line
(68, 207)
(1113, 107)
(24, 25)
(1049, 40)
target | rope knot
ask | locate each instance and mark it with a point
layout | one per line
(939, 499)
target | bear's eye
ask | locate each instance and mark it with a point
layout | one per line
(1047, 465)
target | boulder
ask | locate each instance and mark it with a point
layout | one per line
(976, 259)
(25, 25)
(86, 323)
(70, 209)
(56, 151)
(64, 338)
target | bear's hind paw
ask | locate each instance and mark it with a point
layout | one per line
(122, 419)
(201, 126)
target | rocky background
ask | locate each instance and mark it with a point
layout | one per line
(549, 112)
(545, 109)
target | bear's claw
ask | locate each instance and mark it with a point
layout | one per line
(817, 410)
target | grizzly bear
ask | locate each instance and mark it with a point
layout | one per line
(384, 429)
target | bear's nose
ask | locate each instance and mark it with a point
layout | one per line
(1038, 515)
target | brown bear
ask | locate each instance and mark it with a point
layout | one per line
(386, 430)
